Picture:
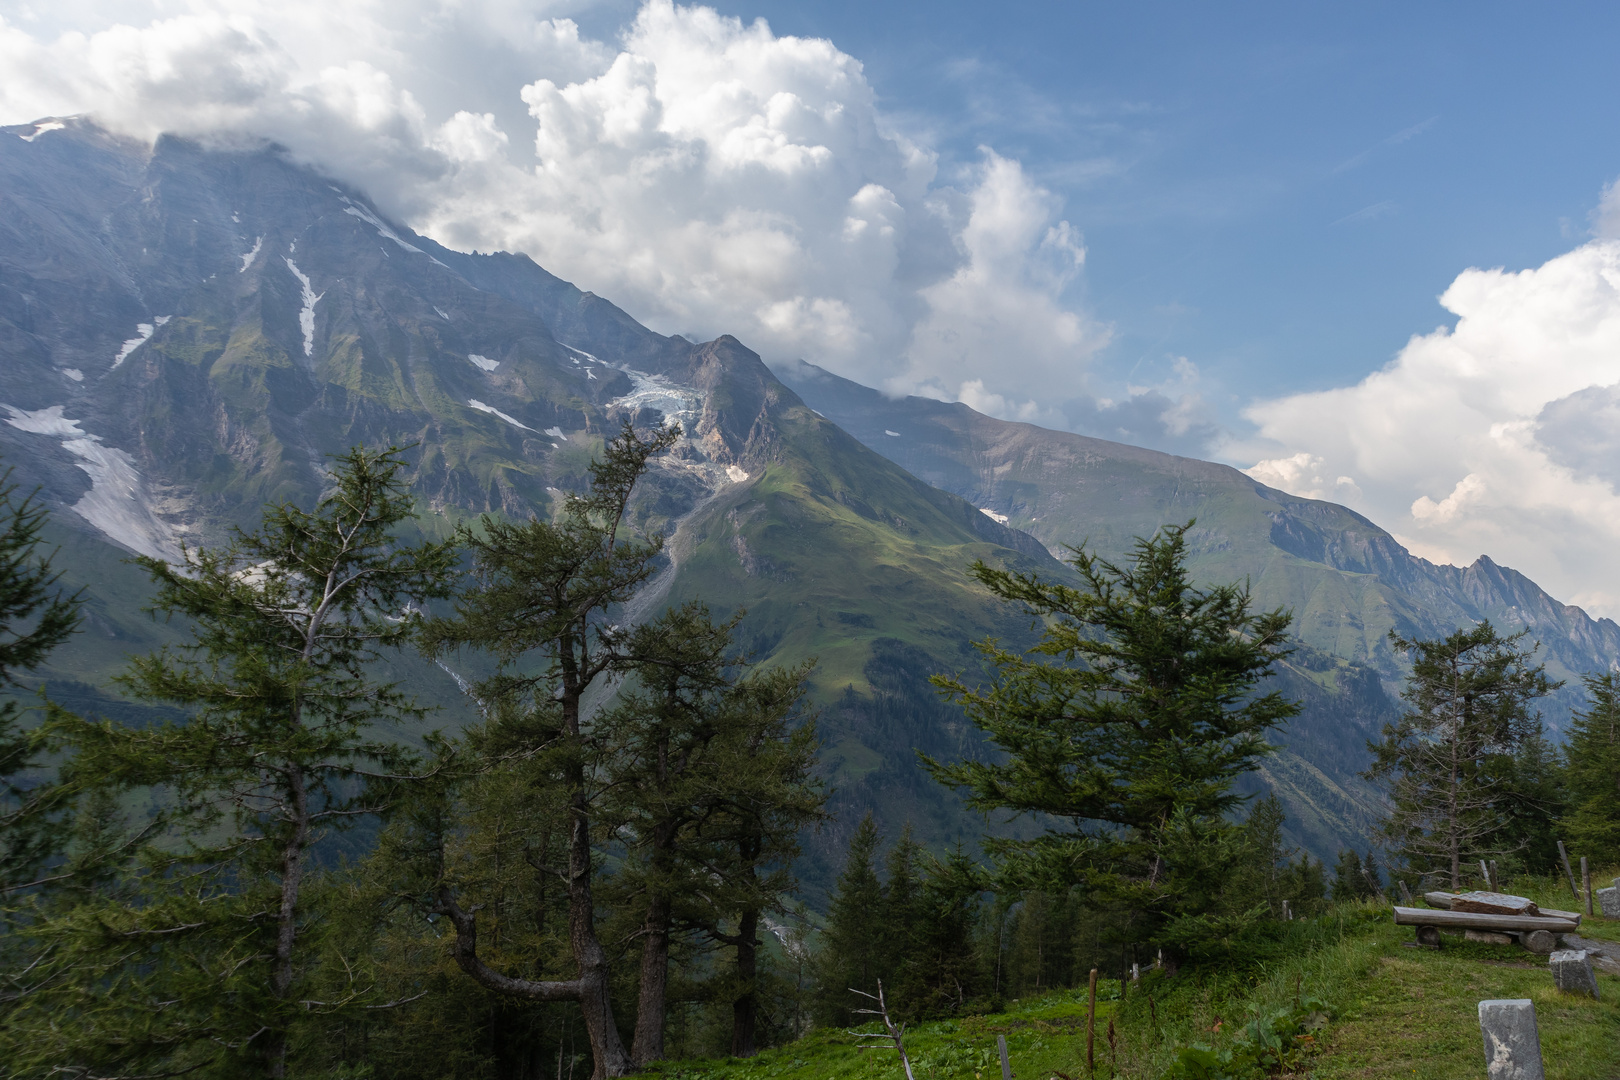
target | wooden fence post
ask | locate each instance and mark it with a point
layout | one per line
(1586, 884)
(1091, 1024)
(1564, 855)
(1006, 1069)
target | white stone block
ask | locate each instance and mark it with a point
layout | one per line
(1512, 1044)
(1572, 972)
(1609, 901)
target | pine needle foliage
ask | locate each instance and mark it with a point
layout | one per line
(200, 961)
(1130, 720)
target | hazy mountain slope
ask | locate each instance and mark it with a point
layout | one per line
(1348, 581)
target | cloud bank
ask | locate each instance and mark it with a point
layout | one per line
(1500, 436)
(708, 175)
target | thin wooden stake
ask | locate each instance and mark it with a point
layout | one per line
(1091, 1024)
(1564, 855)
(1006, 1069)
(1485, 872)
(1496, 876)
(1586, 884)
(1406, 894)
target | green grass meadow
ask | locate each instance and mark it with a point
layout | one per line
(1379, 1008)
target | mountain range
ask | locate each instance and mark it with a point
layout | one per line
(189, 330)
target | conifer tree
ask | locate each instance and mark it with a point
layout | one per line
(539, 604)
(1592, 775)
(1355, 878)
(708, 783)
(852, 945)
(749, 841)
(201, 964)
(902, 900)
(36, 616)
(1130, 723)
(1448, 757)
(941, 971)
(1309, 885)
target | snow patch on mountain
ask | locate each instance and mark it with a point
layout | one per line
(556, 433)
(483, 362)
(115, 503)
(442, 315)
(41, 128)
(383, 230)
(1000, 519)
(247, 260)
(143, 333)
(306, 317)
(73, 373)
(493, 411)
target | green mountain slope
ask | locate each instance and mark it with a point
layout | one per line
(187, 333)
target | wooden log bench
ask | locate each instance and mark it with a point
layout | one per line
(1488, 916)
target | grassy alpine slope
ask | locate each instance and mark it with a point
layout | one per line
(1340, 996)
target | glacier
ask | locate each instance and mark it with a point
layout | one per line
(114, 503)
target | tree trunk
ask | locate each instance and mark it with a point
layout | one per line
(745, 1009)
(607, 1048)
(648, 1045)
(292, 877)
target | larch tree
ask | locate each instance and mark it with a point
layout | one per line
(708, 765)
(539, 605)
(1470, 706)
(201, 963)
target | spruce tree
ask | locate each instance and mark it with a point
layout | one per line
(36, 616)
(902, 900)
(202, 963)
(1129, 724)
(941, 972)
(1448, 758)
(1353, 879)
(853, 942)
(1592, 820)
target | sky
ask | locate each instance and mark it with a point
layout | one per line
(1366, 252)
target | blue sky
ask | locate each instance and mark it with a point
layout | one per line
(1276, 191)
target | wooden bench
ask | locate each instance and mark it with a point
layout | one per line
(1485, 913)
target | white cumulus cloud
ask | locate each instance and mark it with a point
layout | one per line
(709, 175)
(1496, 437)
